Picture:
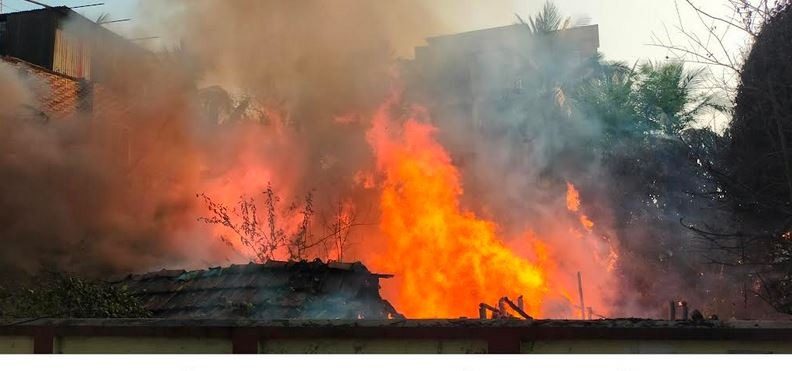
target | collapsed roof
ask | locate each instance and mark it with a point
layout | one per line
(273, 290)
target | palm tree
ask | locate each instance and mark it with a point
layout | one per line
(551, 62)
(668, 97)
(548, 20)
(609, 95)
(653, 97)
(544, 63)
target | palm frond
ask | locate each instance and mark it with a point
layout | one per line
(548, 20)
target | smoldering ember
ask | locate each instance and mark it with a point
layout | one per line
(379, 177)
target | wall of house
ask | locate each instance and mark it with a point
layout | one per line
(72, 55)
(16, 344)
(29, 36)
(177, 345)
(372, 346)
(140, 345)
(654, 347)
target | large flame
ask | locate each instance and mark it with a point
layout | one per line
(447, 258)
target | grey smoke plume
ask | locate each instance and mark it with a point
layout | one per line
(297, 83)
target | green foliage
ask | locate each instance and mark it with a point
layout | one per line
(667, 98)
(662, 98)
(610, 96)
(67, 296)
(653, 154)
(548, 20)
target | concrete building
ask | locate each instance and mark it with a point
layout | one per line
(468, 74)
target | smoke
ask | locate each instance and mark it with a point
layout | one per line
(114, 190)
(14, 91)
(73, 198)
(282, 92)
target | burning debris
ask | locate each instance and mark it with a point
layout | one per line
(501, 311)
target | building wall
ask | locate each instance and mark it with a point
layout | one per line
(140, 345)
(654, 347)
(16, 344)
(469, 78)
(64, 41)
(372, 346)
(194, 345)
(168, 335)
(29, 36)
(72, 55)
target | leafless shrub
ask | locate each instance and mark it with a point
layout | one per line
(298, 244)
(340, 224)
(706, 41)
(264, 238)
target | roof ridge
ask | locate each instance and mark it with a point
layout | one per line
(501, 28)
(356, 266)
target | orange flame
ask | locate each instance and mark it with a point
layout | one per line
(448, 259)
(586, 222)
(572, 198)
(573, 204)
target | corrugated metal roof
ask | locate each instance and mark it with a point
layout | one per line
(273, 290)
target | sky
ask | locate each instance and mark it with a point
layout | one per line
(626, 26)
(117, 9)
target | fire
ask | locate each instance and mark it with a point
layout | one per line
(573, 204)
(447, 258)
(586, 222)
(572, 198)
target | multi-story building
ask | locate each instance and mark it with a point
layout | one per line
(468, 73)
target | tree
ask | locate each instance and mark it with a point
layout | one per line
(267, 236)
(754, 173)
(667, 98)
(548, 20)
(648, 159)
(653, 97)
(552, 63)
(705, 39)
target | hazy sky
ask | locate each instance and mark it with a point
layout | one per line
(626, 26)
